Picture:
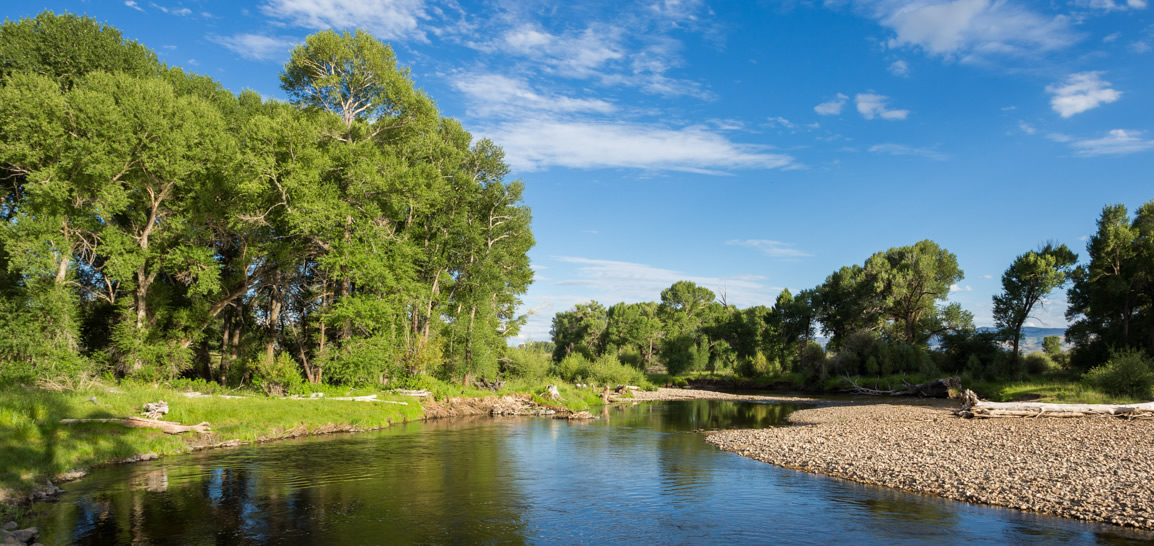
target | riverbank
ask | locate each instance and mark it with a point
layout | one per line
(38, 452)
(1084, 468)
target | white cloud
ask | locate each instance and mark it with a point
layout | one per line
(614, 281)
(1111, 37)
(870, 106)
(1059, 137)
(495, 94)
(1113, 5)
(970, 28)
(132, 4)
(956, 288)
(1140, 47)
(1080, 92)
(780, 121)
(385, 19)
(181, 12)
(773, 249)
(532, 144)
(899, 68)
(1027, 128)
(987, 276)
(833, 107)
(901, 149)
(1116, 142)
(257, 47)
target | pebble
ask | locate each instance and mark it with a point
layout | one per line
(1096, 469)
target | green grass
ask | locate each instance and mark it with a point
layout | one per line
(34, 446)
(1046, 389)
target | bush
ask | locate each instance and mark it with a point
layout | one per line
(813, 364)
(278, 377)
(1129, 372)
(527, 363)
(362, 361)
(574, 368)
(608, 370)
(758, 366)
(1038, 364)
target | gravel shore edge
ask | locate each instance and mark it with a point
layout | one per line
(1093, 469)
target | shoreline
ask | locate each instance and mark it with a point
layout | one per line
(1092, 469)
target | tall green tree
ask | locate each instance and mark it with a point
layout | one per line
(910, 281)
(1112, 297)
(1025, 284)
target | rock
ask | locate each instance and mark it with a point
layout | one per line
(11, 526)
(71, 475)
(25, 535)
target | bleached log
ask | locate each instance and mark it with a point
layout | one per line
(972, 407)
(139, 422)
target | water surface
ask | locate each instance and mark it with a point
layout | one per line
(640, 475)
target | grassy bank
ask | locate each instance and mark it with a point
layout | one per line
(35, 447)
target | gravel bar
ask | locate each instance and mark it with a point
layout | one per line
(666, 394)
(1095, 469)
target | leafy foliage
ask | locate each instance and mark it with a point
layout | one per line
(1129, 372)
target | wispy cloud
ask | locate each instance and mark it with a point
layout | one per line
(872, 106)
(1027, 128)
(1081, 92)
(132, 4)
(1116, 142)
(899, 68)
(1112, 5)
(970, 29)
(385, 19)
(499, 95)
(956, 288)
(534, 144)
(631, 282)
(773, 249)
(833, 107)
(778, 121)
(901, 149)
(257, 47)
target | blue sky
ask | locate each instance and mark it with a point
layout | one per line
(747, 146)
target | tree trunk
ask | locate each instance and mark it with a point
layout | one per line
(140, 422)
(972, 407)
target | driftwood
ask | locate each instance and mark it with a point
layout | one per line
(938, 388)
(972, 407)
(551, 393)
(490, 385)
(415, 393)
(369, 398)
(154, 410)
(140, 422)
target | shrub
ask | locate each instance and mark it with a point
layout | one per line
(574, 368)
(1129, 372)
(363, 361)
(527, 363)
(1038, 364)
(608, 370)
(278, 377)
(757, 366)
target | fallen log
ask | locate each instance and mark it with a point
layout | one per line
(973, 407)
(140, 422)
(938, 388)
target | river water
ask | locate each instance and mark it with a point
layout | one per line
(638, 475)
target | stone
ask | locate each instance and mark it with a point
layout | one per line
(25, 535)
(11, 526)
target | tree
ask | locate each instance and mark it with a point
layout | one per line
(847, 303)
(67, 47)
(909, 282)
(1025, 284)
(1112, 297)
(579, 331)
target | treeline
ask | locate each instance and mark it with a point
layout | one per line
(889, 315)
(158, 225)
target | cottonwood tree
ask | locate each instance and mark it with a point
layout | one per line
(1025, 284)
(1112, 297)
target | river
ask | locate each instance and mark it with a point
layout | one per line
(638, 475)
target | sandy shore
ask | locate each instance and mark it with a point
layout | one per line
(1095, 469)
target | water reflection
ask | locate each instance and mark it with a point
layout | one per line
(639, 474)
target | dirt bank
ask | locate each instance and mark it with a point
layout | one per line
(1095, 469)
